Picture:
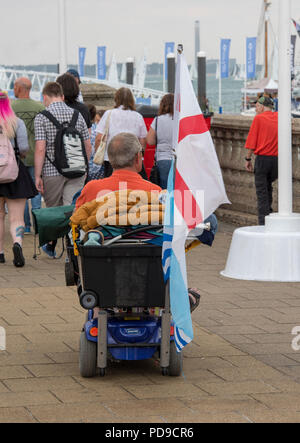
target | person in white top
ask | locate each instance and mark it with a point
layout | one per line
(123, 118)
(161, 135)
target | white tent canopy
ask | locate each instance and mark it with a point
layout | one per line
(261, 86)
(271, 86)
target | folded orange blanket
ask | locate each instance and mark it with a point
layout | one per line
(120, 208)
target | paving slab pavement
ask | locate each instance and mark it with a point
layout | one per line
(241, 366)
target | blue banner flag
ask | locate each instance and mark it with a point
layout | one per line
(101, 63)
(251, 57)
(224, 56)
(81, 56)
(169, 48)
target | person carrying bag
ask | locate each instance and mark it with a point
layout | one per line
(100, 153)
(122, 119)
(154, 175)
(9, 168)
(16, 185)
(162, 135)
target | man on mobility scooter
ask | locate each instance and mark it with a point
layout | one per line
(124, 274)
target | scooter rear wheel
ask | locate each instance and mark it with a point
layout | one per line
(176, 361)
(69, 274)
(87, 357)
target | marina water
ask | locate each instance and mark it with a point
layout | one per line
(231, 92)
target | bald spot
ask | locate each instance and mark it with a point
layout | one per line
(23, 83)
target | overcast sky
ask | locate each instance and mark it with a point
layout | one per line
(29, 28)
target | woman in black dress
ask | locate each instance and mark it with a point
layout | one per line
(15, 194)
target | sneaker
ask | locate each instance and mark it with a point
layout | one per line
(2, 258)
(194, 297)
(48, 249)
(19, 260)
(27, 230)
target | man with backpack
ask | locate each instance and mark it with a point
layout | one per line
(62, 151)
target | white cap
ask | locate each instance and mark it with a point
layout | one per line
(201, 54)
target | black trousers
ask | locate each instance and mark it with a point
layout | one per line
(266, 172)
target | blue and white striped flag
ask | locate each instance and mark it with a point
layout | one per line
(168, 226)
(195, 191)
(175, 271)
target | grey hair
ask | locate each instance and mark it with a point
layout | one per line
(123, 149)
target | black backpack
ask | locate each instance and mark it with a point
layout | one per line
(70, 157)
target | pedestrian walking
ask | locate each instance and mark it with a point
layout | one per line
(263, 142)
(96, 172)
(59, 184)
(13, 192)
(161, 135)
(27, 109)
(71, 91)
(76, 75)
(122, 119)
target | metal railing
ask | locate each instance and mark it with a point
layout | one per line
(39, 79)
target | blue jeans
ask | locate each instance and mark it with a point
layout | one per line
(164, 167)
(36, 202)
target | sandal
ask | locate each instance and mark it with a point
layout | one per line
(197, 297)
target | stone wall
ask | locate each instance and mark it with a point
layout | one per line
(229, 133)
(100, 95)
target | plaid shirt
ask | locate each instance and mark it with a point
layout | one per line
(45, 130)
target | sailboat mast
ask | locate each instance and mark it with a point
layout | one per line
(267, 4)
(62, 37)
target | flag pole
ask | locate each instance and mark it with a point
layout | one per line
(62, 37)
(285, 190)
(220, 91)
(245, 80)
(179, 51)
(220, 84)
(166, 315)
(164, 69)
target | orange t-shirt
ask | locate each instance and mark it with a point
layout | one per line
(120, 179)
(263, 135)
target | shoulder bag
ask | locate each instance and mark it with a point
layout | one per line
(154, 175)
(9, 168)
(99, 155)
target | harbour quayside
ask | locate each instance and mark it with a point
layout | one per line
(260, 71)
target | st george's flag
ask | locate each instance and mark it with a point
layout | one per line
(195, 191)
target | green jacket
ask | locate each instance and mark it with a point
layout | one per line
(27, 110)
